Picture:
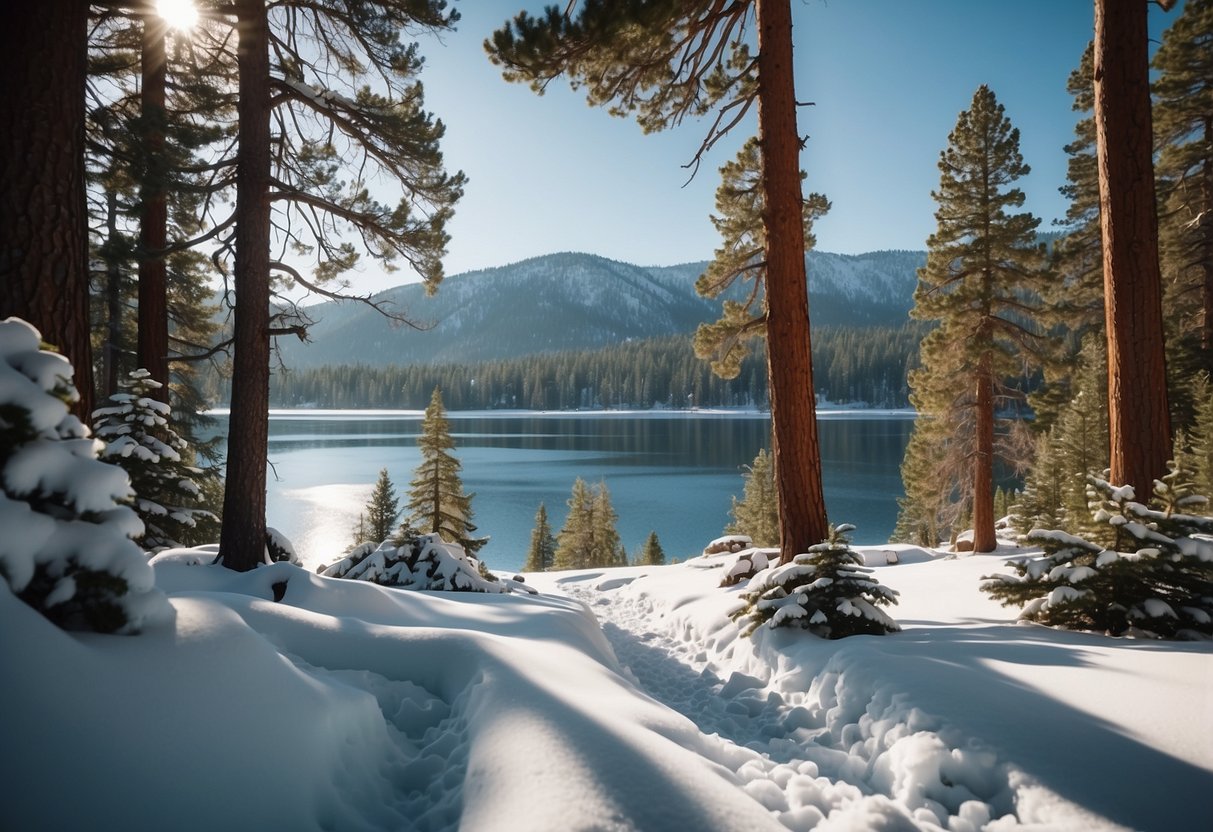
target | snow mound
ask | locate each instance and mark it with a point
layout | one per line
(423, 562)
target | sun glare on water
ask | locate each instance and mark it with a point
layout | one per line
(180, 14)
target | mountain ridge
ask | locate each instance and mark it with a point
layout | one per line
(575, 300)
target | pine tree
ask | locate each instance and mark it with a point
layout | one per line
(739, 261)
(605, 546)
(1073, 301)
(377, 522)
(1138, 412)
(756, 514)
(377, 134)
(541, 556)
(928, 512)
(1151, 578)
(651, 554)
(43, 224)
(667, 60)
(1183, 135)
(574, 542)
(826, 591)
(137, 429)
(1074, 448)
(66, 547)
(437, 502)
(982, 281)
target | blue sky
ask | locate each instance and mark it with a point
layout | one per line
(888, 78)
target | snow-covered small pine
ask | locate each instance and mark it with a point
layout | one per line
(138, 435)
(66, 547)
(1155, 581)
(420, 561)
(826, 591)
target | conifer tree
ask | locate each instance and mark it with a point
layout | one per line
(756, 514)
(65, 546)
(1151, 577)
(541, 556)
(651, 554)
(982, 281)
(43, 223)
(928, 511)
(1183, 134)
(739, 261)
(1073, 449)
(377, 522)
(826, 591)
(437, 502)
(605, 546)
(1073, 301)
(575, 541)
(1139, 422)
(296, 130)
(140, 439)
(663, 61)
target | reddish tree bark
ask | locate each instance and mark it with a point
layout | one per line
(1139, 419)
(153, 225)
(984, 538)
(802, 512)
(43, 218)
(242, 540)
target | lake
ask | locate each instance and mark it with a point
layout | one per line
(669, 472)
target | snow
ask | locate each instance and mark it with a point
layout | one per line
(614, 699)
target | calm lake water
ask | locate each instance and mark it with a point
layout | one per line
(673, 473)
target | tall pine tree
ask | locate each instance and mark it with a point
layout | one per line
(982, 282)
(1139, 421)
(437, 502)
(739, 261)
(663, 61)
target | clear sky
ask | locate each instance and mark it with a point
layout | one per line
(887, 78)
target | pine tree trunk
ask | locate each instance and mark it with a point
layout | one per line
(113, 302)
(984, 539)
(1138, 417)
(1205, 218)
(43, 218)
(802, 512)
(242, 541)
(153, 227)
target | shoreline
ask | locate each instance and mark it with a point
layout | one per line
(824, 412)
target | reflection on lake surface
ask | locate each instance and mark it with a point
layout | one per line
(672, 473)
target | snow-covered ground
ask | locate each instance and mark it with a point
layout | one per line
(619, 699)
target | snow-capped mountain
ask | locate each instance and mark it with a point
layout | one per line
(578, 301)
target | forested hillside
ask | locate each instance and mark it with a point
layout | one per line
(852, 365)
(562, 302)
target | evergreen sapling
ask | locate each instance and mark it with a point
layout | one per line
(1155, 580)
(140, 439)
(826, 591)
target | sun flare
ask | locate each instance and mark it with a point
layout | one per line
(179, 14)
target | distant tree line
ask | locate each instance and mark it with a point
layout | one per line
(852, 365)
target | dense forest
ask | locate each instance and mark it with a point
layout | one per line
(852, 366)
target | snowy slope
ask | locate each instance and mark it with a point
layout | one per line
(350, 706)
(579, 301)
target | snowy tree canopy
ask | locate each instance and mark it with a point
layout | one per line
(422, 561)
(66, 549)
(139, 438)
